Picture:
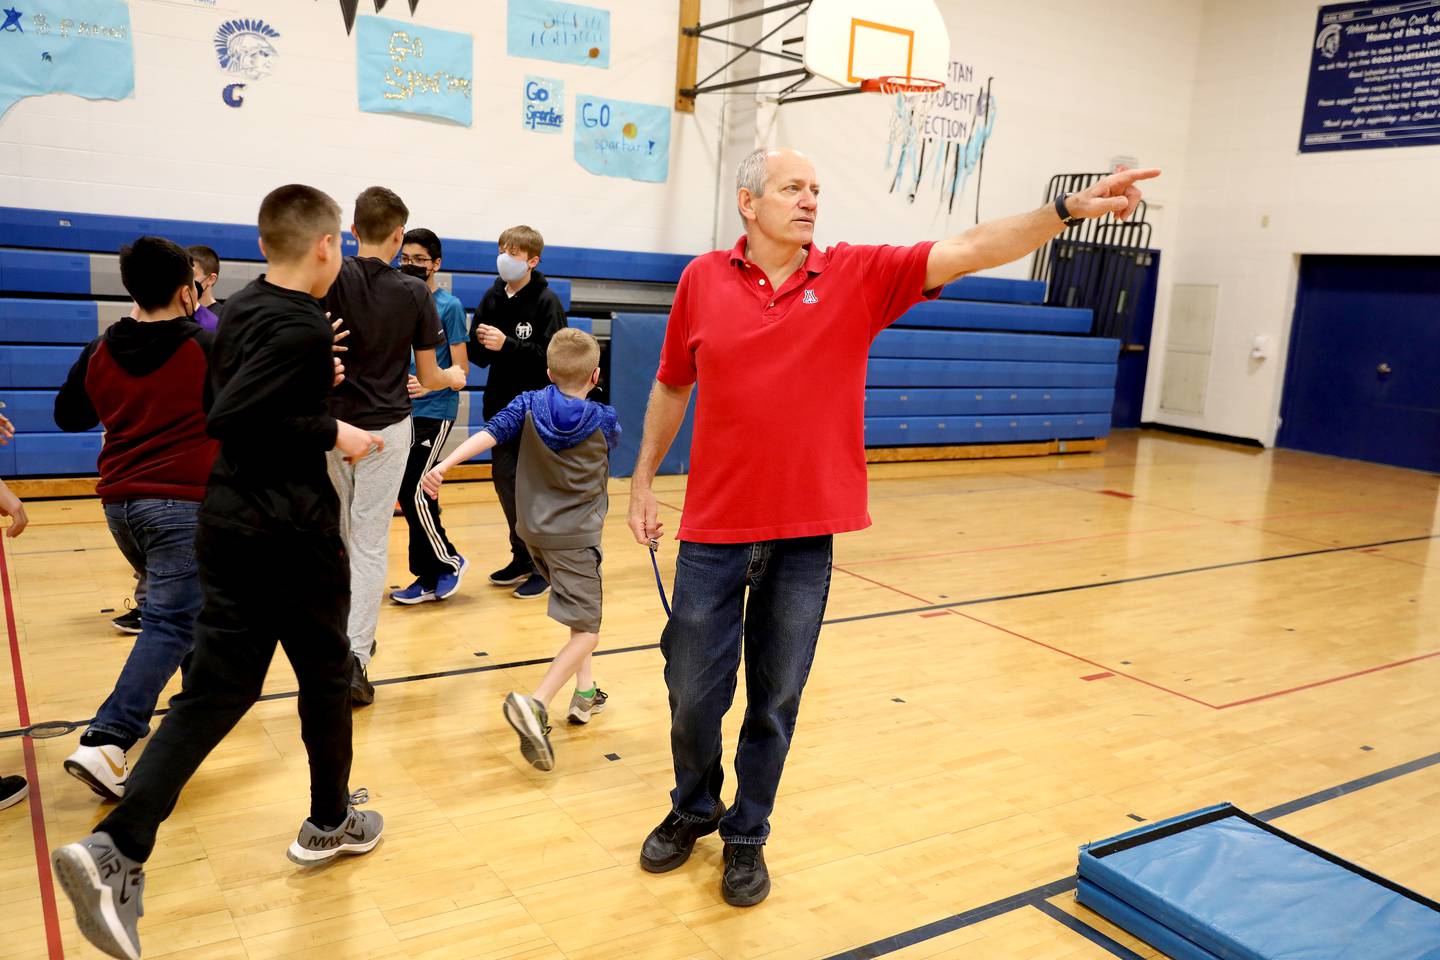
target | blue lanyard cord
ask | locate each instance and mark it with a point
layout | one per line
(659, 583)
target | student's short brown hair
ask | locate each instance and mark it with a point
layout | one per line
(523, 238)
(292, 218)
(572, 357)
(205, 258)
(378, 212)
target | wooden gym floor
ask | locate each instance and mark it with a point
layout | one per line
(1021, 656)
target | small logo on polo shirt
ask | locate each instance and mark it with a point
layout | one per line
(523, 331)
(810, 297)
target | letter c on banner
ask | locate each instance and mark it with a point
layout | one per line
(231, 95)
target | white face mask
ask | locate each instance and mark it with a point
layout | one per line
(511, 268)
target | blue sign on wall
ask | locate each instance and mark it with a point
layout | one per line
(563, 32)
(406, 68)
(544, 104)
(1374, 77)
(617, 138)
(84, 47)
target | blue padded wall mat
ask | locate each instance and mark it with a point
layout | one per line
(1245, 890)
(635, 341)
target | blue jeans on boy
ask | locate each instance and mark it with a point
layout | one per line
(158, 537)
(788, 582)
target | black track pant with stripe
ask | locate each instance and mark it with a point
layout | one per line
(431, 553)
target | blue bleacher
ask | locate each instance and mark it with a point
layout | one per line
(986, 363)
(966, 315)
(995, 290)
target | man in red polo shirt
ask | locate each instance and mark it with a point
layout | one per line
(779, 330)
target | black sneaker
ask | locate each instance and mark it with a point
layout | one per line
(128, 622)
(669, 845)
(746, 880)
(533, 588)
(514, 573)
(12, 791)
(362, 692)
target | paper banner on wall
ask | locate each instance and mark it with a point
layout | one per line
(84, 47)
(348, 9)
(404, 68)
(246, 51)
(563, 32)
(544, 105)
(617, 138)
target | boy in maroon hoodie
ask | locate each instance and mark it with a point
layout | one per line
(146, 379)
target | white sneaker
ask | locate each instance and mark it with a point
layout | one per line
(102, 769)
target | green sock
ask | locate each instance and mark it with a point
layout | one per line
(587, 694)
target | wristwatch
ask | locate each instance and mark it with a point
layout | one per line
(1064, 212)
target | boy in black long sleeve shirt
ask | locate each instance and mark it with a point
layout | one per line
(513, 327)
(270, 516)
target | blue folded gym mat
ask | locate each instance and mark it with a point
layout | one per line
(1219, 884)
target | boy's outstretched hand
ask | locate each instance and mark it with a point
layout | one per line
(431, 482)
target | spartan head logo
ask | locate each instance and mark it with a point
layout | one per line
(1328, 43)
(244, 47)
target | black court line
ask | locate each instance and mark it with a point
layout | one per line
(1104, 941)
(1037, 896)
(489, 668)
(1141, 579)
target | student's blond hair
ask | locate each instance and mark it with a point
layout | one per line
(523, 238)
(572, 357)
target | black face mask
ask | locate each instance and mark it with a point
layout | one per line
(416, 271)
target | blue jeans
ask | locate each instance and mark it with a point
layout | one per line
(157, 537)
(788, 582)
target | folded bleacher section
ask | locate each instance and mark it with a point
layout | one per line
(984, 365)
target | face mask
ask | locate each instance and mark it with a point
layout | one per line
(415, 270)
(511, 268)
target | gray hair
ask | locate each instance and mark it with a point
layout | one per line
(750, 175)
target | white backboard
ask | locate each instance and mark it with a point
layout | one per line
(847, 41)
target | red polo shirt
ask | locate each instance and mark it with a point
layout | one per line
(779, 445)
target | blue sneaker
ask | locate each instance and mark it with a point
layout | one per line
(417, 592)
(448, 583)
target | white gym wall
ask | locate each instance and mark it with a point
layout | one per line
(176, 150)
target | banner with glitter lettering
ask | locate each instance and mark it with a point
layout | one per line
(405, 68)
(84, 47)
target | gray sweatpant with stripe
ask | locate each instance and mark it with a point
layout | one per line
(368, 491)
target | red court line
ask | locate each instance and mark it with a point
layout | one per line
(1038, 643)
(1099, 676)
(1322, 683)
(37, 806)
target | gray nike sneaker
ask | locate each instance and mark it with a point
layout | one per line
(583, 708)
(530, 720)
(358, 834)
(104, 886)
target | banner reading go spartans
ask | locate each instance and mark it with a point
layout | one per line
(404, 68)
(84, 47)
(617, 138)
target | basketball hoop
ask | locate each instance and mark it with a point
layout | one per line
(905, 86)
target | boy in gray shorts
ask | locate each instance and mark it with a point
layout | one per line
(561, 500)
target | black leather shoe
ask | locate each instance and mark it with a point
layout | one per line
(669, 845)
(746, 880)
(362, 693)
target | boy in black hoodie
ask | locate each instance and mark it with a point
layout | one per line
(517, 318)
(145, 379)
(270, 516)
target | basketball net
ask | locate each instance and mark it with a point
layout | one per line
(912, 149)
